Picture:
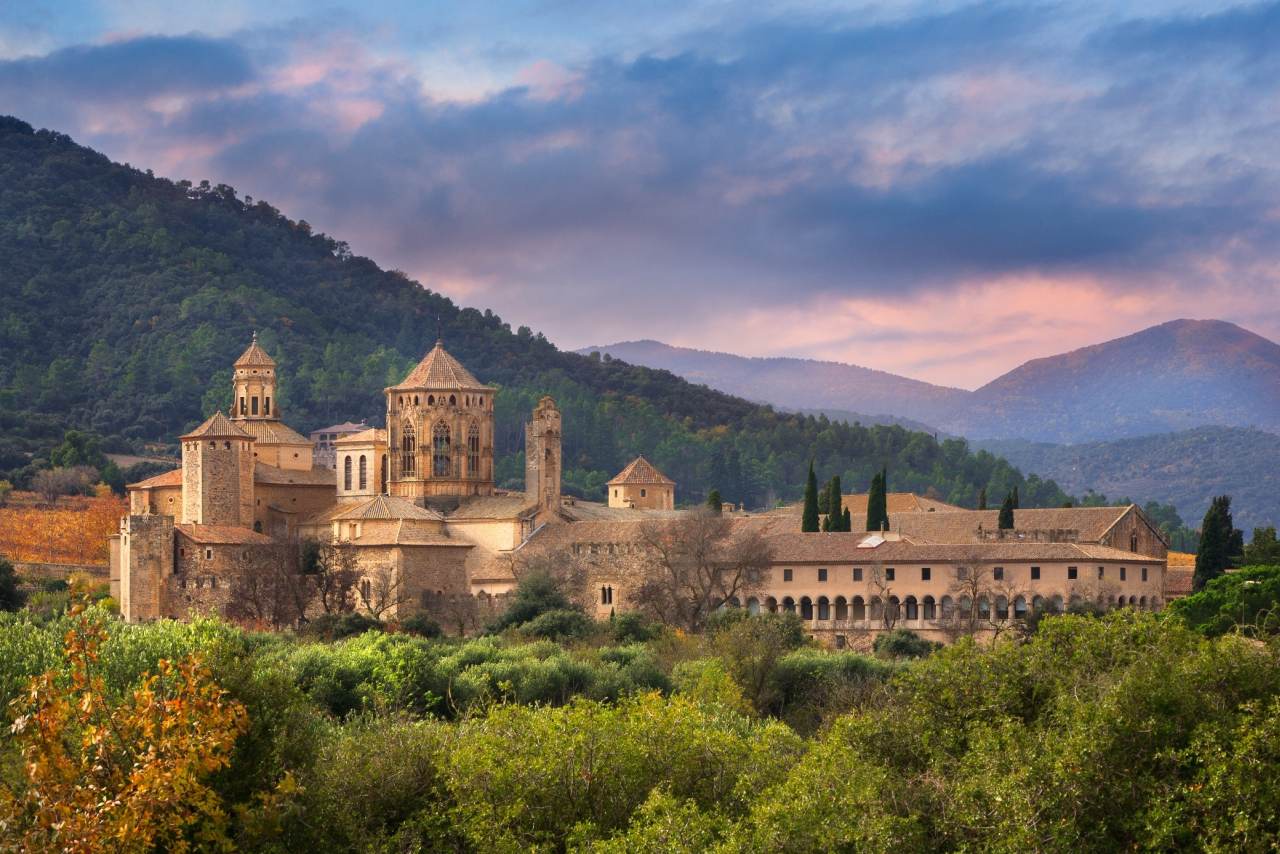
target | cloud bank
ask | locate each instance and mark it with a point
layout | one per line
(937, 191)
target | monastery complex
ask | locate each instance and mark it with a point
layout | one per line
(415, 503)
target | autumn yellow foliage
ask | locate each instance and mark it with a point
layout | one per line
(74, 532)
(131, 774)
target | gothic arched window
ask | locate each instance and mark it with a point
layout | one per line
(346, 473)
(440, 450)
(408, 449)
(473, 451)
(364, 471)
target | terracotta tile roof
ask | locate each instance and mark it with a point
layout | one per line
(844, 548)
(898, 502)
(317, 476)
(372, 434)
(407, 534)
(492, 507)
(641, 471)
(591, 511)
(271, 432)
(217, 426)
(255, 356)
(1177, 581)
(384, 507)
(1090, 523)
(222, 535)
(344, 427)
(169, 478)
(439, 370)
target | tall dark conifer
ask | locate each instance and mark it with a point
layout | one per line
(848, 521)
(1017, 502)
(1006, 513)
(982, 498)
(877, 502)
(835, 504)
(1219, 542)
(809, 521)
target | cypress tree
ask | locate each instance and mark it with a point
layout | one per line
(714, 503)
(1218, 541)
(835, 511)
(809, 521)
(1016, 501)
(1006, 513)
(877, 502)
(982, 498)
(848, 521)
(824, 498)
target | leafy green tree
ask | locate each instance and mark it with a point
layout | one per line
(537, 593)
(1263, 548)
(809, 518)
(78, 449)
(1248, 599)
(714, 502)
(1005, 521)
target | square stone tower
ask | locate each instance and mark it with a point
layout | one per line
(217, 474)
(542, 456)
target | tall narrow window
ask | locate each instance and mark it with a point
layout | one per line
(243, 408)
(266, 408)
(473, 451)
(440, 450)
(408, 449)
(364, 472)
(382, 476)
(346, 473)
(254, 406)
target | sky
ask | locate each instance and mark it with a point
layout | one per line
(941, 190)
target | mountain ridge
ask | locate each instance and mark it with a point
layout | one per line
(1176, 375)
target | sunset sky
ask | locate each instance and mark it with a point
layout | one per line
(939, 190)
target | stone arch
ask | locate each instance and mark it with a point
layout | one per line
(911, 609)
(930, 608)
(753, 605)
(346, 472)
(842, 609)
(824, 608)
(806, 608)
(408, 449)
(364, 472)
(857, 609)
(473, 450)
(1020, 607)
(788, 604)
(771, 605)
(440, 448)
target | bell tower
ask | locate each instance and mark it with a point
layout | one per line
(542, 456)
(254, 384)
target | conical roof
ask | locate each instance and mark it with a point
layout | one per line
(255, 356)
(640, 471)
(439, 370)
(217, 426)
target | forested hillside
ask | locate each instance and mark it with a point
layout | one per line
(125, 297)
(1185, 469)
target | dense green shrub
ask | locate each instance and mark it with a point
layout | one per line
(903, 643)
(338, 626)
(1247, 599)
(421, 625)
(559, 625)
(525, 777)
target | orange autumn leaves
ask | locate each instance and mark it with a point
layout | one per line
(121, 774)
(72, 532)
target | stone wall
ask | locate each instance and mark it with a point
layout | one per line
(146, 560)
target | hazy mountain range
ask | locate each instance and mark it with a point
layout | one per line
(1175, 376)
(1176, 413)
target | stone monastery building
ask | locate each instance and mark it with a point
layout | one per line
(416, 505)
